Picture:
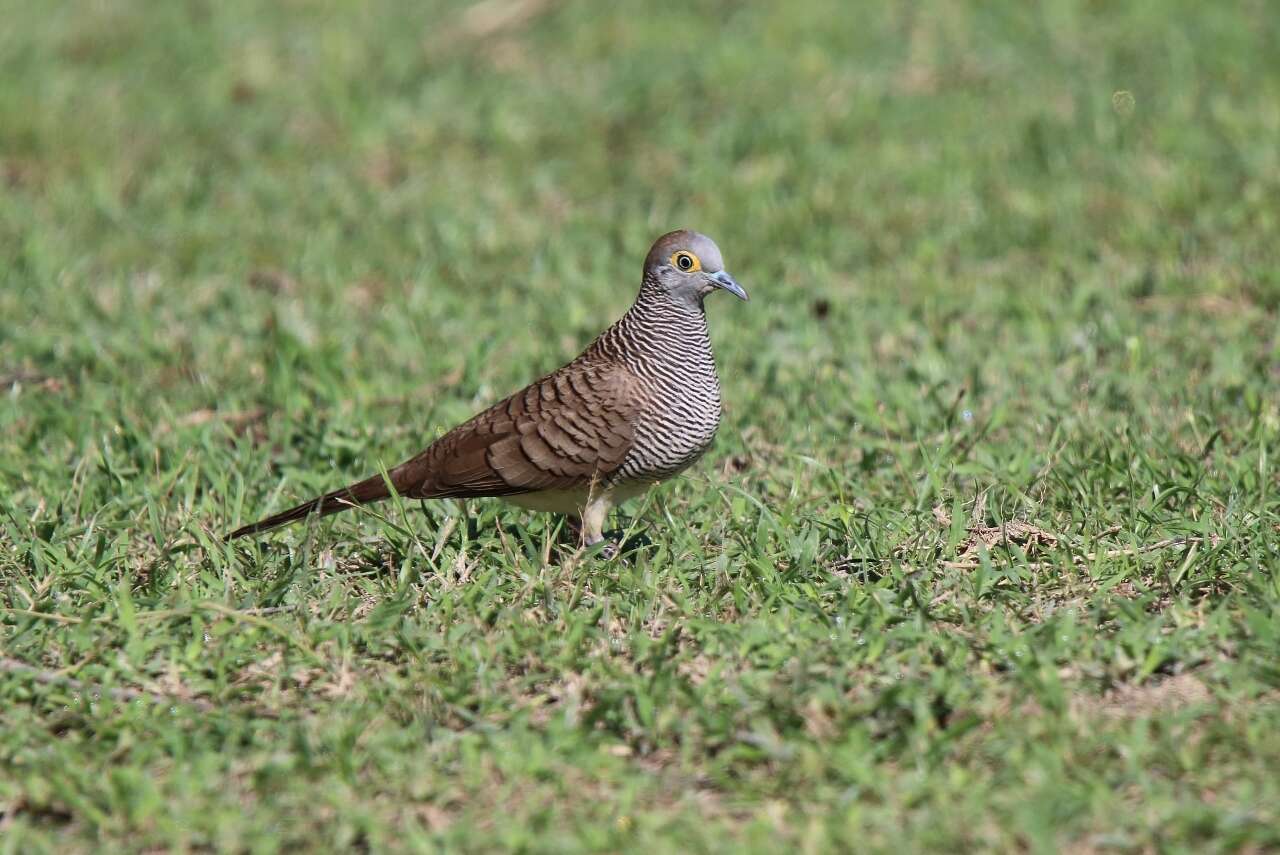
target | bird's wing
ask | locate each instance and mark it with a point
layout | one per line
(564, 431)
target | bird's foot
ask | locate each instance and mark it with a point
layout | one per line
(608, 548)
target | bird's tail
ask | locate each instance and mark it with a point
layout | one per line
(360, 493)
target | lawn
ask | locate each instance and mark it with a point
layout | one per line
(987, 553)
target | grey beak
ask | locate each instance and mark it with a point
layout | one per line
(725, 281)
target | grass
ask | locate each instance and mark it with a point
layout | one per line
(986, 555)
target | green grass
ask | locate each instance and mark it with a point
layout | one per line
(986, 556)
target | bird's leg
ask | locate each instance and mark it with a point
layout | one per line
(465, 524)
(593, 517)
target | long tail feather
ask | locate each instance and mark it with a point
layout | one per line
(362, 492)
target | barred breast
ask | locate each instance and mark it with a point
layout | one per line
(668, 350)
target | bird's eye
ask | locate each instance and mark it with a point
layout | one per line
(686, 261)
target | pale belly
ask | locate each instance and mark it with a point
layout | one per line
(573, 501)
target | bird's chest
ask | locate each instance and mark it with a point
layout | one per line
(679, 425)
(691, 409)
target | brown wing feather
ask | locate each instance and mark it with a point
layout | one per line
(566, 430)
(563, 431)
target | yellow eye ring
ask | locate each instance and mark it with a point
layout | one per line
(686, 262)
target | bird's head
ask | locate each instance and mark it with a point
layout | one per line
(687, 266)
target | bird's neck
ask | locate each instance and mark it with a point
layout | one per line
(659, 328)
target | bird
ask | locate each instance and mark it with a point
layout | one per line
(638, 406)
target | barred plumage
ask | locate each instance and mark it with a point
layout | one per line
(639, 405)
(668, 349)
